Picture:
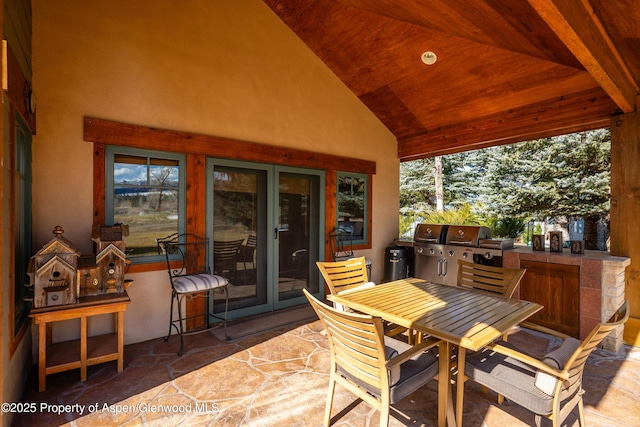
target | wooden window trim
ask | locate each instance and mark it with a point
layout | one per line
(197, 148)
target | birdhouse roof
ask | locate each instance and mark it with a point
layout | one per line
(56, 261)
(58, 245)
(111, 249)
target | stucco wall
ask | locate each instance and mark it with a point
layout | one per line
(226, 68)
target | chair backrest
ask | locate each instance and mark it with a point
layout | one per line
(252, 241)
(341, 242)
(575, 364)
(356, 343)
(343, 275)
(226, 249)
(498, 280)
(185, 254)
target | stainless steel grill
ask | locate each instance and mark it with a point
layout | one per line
(437, 249)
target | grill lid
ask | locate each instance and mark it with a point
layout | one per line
(430, 233)
(466, 235)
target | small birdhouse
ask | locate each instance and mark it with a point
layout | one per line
(111, 263)
(52, 271)
(104, 236)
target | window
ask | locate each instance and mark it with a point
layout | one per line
(145, 190)
(139, 141)
(352, 202)
(21, 220)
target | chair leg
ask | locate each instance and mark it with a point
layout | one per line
(207, 297)
(173, 296)
(226, 310)
(581, 413)
(225, 291)
(384, 412)
(327, 409)
(180, 321)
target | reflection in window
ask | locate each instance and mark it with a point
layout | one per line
(21, 220)
(352, 191)
(146, 197)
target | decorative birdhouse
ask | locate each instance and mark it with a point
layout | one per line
(104, 236)
(52, 272)
(110, 260)
(111, 263)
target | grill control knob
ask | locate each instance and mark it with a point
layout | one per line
(464, 255)
(451, 253)
(419, 250)
(488, 255)
(432, 251)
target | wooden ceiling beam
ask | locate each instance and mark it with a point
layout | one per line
(579, 112)
(577, 25)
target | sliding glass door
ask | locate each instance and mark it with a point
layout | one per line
(265, 225)
(298, 234)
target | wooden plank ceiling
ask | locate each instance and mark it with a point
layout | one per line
(506, 70)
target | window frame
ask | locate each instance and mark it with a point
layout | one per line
(197, 147)
(110, 152)
(21, 188)
(365, 240)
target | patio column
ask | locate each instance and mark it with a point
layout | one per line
(625, 201)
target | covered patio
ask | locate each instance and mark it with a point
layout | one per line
(280, 377)
(330, 86)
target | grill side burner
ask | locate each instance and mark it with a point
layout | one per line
(437, 249)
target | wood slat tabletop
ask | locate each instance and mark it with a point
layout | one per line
(461, 316)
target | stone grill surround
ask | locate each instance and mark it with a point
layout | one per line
(602, 285)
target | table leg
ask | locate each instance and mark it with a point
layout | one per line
(83, 348)
(42, 356)
(444, 383)
(120, 329)
(460, 386)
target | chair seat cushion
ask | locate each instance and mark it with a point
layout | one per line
(198, 282)
(511, 378)
(406, 378)
(414, 373)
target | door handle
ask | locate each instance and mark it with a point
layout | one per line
(444, 267)
(275, 231)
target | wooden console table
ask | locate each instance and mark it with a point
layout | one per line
(86, 351)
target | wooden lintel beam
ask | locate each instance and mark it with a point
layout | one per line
(578, 112)
(577, 25)
(432, 147)
(124, 134)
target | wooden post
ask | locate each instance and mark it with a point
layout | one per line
(625, 201)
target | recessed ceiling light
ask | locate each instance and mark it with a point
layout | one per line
(429, 58)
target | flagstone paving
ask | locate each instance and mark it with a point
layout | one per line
(280, 378)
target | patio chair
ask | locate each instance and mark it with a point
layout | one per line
(345, 275)
(187, 259)
(226, 255)
(247, 253)
(348, 276)
(551, 387)
(341, 242)
(377, 369)
(487, 278)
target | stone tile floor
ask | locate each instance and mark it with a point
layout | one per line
(280, 378)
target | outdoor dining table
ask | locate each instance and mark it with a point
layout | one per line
(462, 317)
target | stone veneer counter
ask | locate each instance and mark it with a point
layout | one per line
(602, 284)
